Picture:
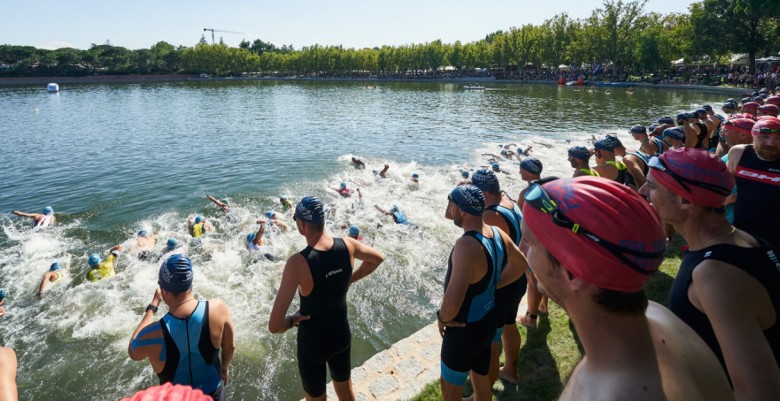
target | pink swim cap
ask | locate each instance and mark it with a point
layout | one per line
(169, 392)
(695, 175)
(610, 212)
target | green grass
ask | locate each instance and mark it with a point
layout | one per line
(549, 354)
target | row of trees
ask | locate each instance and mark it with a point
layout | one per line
(618, 34)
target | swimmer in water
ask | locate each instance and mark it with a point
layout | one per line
(199, 226)
(398, 217)
(100, 269)
(354, 233)
(358, 163)
(223, 203)
(415, 177)
(254, 241)
(346, 192)
(285, 202)
(172, 247)
(44, 219)
(54, 274)
(465, 178)
(275, 219)
(144, 244)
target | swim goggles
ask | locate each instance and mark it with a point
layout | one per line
(659, 164)
(538, 198)
(766, 130)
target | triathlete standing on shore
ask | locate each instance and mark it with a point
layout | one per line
(321, 274)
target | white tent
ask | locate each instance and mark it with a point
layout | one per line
(739, 59)
(564, 67)
(678, 63)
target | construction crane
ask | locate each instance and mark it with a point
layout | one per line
(217, 30)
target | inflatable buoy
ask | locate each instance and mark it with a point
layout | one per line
(580, 81)
(561, 81)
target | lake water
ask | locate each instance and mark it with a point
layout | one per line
(114, 159)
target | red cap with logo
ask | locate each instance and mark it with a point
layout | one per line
(169, 392)
(695, 175)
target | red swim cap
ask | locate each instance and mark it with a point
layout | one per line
(695, 175)
(610, 211)
(750, 106)
(769, 109)
(775, 100)
(744, 115)
(169, 392)
(770, 125)
(743, 125)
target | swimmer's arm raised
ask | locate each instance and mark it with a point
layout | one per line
(370, 256)
(23, 214)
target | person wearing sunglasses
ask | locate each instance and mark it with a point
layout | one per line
(483, 259)
(504, 214)
(593, 243)
(756, 167)
(321, 274)
(728, 285)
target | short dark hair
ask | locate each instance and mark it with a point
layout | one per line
(622, 303)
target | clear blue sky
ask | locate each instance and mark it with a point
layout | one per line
(140, 24)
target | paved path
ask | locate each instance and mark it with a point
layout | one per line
(403, 370)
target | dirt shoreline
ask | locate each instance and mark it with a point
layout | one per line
(120, 79)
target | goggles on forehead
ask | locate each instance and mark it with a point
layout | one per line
(767, 130)
(659, 164)
(538, 198)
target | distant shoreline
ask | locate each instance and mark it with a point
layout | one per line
(120, 79)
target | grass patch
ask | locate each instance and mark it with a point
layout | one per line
(549, 354)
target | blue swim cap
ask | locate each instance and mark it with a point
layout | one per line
(93, 260)
(464, 174)
(504, 152)
(729, 105)
(198, 219)
(48, 210)
(3, 293)
(652, 127)
(171, 244)
(354, 231)
(486, 181)
(310, 210)
(699, 112)
(707, 107)
(343, 185)
(469, 199)
(747, 100)
(269, 214)
(394, 208)
(638, 129)
(579, 152)
(675, 133)
(531, 165)
(415, 175)
(55, 266)
(250, 237)
(495, 166)
(142, 233)
(682, 116)
(613, 141)
(225, 201)
(176, 274)
(603, 144)
(665, 120)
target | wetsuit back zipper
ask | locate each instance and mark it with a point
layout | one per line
(189, 350)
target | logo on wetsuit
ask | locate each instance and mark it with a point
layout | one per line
(332, 272)
(759, 176)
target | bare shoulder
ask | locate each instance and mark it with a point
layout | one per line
(217, 305)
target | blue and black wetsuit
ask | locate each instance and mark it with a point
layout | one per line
(190, 357)
(325, 338)
(761, 263)
(468, 348)
(508, 297)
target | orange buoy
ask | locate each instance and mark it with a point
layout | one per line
(561, 81)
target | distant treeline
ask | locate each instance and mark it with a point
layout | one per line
(618, 36)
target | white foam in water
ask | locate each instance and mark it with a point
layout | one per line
(88, 325)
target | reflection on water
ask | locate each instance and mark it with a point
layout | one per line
(112, 159)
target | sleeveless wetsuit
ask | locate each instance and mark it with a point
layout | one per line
(589, 172)
(190, 357)
(508, 297)
(199, 229)
(325, 337)
(623, 177)
(400, 218)
(644, 157)
(468, 348)
(758, 196)
(702, 135)
(761, 263)
(104, 269)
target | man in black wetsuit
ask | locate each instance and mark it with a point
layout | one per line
(502, 212)
(321, 274)
(756, 168)
(483, 259)
(168, 343)
(728, 286)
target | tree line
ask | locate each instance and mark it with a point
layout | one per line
(618, 36)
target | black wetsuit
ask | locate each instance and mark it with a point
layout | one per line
(468, 348)
(702, 136)
(760, 263)
(508, 297)
(623, 177)
(325, 337)
(758, 195)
